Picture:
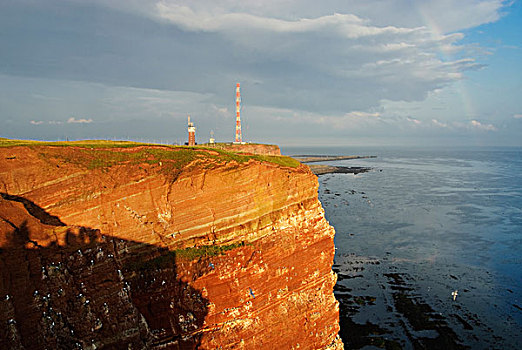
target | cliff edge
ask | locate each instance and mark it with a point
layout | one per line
(112, 245)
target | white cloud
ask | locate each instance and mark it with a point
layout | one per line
(414, 121)
(439, 124)
(370, 59)
(359, 114)
(478, 125)
(328, 57)
(443, 15)
(223, 112)
(344, 25)
(51, 122)
(517, 116)
(73, 120)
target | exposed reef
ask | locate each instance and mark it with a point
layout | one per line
(118, 245)
(330, 169)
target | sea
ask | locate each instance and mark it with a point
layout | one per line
(428, 246)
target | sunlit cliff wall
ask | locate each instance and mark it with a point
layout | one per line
(162, 248)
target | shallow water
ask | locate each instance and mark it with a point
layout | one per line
(423, 224)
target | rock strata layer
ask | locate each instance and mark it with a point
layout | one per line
(152, 247)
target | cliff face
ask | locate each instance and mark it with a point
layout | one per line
(159, 247)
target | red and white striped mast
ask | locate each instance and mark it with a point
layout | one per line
(239, 138)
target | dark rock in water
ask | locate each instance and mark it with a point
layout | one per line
(329, 169)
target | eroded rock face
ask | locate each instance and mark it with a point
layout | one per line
(141, 254)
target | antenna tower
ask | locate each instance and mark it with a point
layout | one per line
(239, 138)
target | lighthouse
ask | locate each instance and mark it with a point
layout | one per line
(239, 137)
(191, 133)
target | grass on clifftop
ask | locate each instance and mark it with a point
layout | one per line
(83, 143)
(96, 154)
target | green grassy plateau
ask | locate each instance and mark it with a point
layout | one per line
(95, 154)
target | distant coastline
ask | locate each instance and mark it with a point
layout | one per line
(324, 158)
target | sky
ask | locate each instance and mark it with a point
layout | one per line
(316, 73)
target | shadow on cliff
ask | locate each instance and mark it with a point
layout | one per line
(68, 287)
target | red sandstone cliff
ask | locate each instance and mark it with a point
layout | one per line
(162, 248)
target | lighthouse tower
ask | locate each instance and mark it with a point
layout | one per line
(191, 133)
(239, 138)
